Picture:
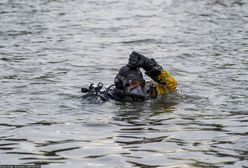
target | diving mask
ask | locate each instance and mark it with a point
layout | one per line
(135, 88)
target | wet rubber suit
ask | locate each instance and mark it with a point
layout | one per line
(129, 85)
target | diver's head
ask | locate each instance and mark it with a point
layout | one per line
(130, 82)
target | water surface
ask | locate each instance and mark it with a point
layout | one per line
(49, 49)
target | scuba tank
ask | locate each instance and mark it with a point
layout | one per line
(93, 93)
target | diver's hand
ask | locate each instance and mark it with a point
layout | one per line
(136, 60)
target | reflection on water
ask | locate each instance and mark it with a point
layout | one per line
(50, 49)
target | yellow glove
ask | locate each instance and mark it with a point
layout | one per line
(170, 83)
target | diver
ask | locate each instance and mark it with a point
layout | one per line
(129, 84)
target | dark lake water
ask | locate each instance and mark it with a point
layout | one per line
(49, 49)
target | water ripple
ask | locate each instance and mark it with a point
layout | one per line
(50, 49)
